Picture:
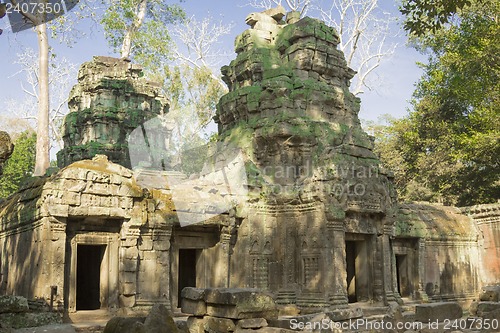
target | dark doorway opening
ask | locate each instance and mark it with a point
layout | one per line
(187, 271)
(402, 275)
(350, 252)
(88, 276)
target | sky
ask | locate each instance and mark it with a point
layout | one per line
(395, 78)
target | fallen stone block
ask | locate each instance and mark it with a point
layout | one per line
(252, 323)
(345, 314)
(195, 324)
(125, 325)
(486, 307)
(438, 311)
(219, 325)
(490, 294)
(13, 304)
(193, 294)
(160, 320)
(193, 301)
(240, 303)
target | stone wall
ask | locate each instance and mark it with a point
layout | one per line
(447, 260)
(90, 203)
(110, 100)
(487, 219)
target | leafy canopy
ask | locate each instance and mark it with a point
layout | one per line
(449, 145)
(20, 165)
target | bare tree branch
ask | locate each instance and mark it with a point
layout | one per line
(61, 77)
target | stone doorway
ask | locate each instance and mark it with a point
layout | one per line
(88, 276)
(403, 278)
(358, 270)
(187, 270)
(91, 279)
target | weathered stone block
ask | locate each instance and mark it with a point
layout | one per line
(194, 294)
(160, 320)
(438, 311)
(486, 307)
(196, 324)
(196, 308)
(13, 304)
(252, 323)
(490, 294)
(125, 325)
(240, 303)
(219, 325)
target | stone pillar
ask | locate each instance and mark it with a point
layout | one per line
(337, 272)
(421, 294)
(225, 252)
(56, 255)
(287, 294)
(161, 246)
(387, 264)
(129, 254)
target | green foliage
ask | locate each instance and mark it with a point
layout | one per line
(428, 16)
(151, 42)
(20, 165)
(448, 148)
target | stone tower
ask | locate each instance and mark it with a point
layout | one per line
(110, 100)
(317, 225)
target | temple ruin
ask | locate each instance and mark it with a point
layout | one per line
(320, 227)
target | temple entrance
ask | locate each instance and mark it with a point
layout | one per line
(187, 271)
(350, 255)
(88, 276)
(358, 271)
(402, 275)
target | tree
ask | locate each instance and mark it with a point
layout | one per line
(450, 142)
(364, 30)
(38, 20)
(20, 165)
(62, 75)
(294, 5)
(37, 16)
(423, 16)
(139, 28)
(198, 59)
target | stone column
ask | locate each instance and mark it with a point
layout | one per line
(337, 273)
(421, 294)
(56, 255)
(387, 264)
(224, 258)
(287, 294)
(129, 256)
(161, 246)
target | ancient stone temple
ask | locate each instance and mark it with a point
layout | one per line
(318, 226)
(111, 99)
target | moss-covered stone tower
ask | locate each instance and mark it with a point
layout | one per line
(110, 100)
(317, 225)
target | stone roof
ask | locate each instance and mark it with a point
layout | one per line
(434, 221)
(85, 188)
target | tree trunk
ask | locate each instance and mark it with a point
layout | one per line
(132, 29)
(42, 161)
